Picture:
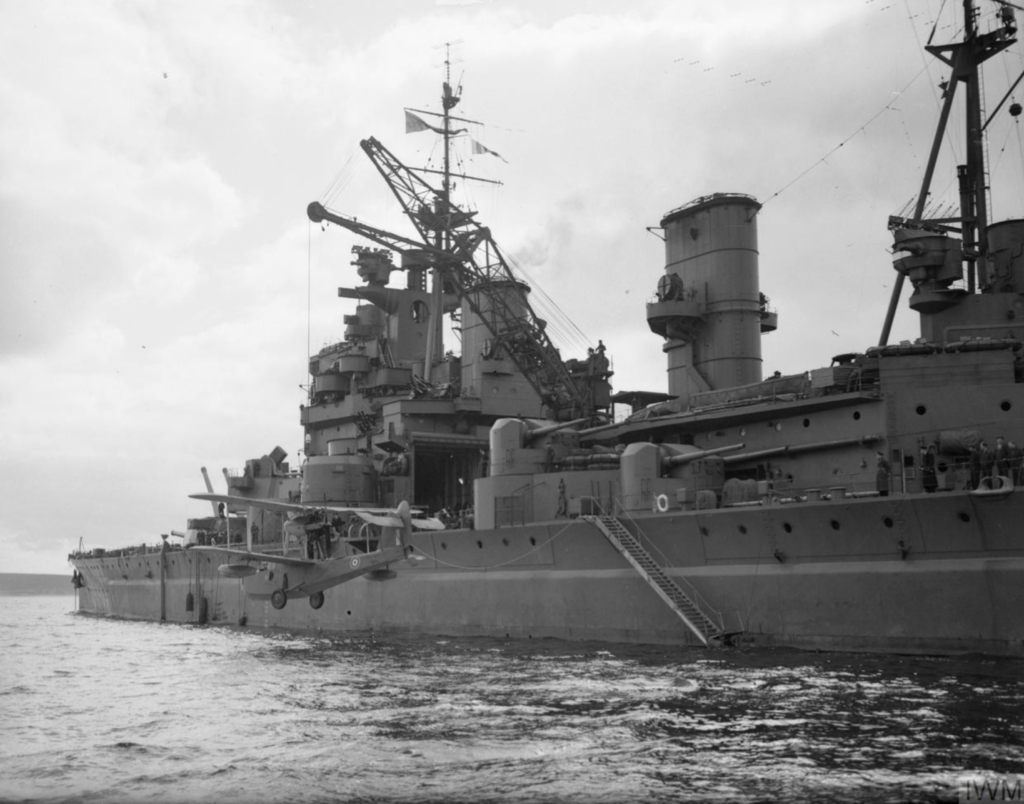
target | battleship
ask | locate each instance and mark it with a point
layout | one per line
(871, 504)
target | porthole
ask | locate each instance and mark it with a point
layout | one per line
(1005, 405)
(888, 522)
(787, 527)
(835, 524)
(856, 415)
(480, 544)
(505, 542)
(705, 532)
(444, 545)
(920, 410)
(807, 422)
(349, 613)
(743, 528)
(964, 516)
(533, 542)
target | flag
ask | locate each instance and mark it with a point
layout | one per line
(414, 123)
(482, 149)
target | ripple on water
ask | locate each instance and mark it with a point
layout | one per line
(131, 711)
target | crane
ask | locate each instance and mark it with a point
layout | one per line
(465, 256)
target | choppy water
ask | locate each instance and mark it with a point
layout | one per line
(108, 711)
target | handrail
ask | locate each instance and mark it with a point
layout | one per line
(702, 604)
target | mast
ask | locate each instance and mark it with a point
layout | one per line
(465, 261)
(964, 58)
(443, 237)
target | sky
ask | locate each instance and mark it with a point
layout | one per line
(161, 286)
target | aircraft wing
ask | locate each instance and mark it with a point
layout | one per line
(287, 507)
(269, 558)
(392, 521)
(384, 521)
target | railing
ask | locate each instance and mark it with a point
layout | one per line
(661, 560)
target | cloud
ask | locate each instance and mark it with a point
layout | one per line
(162, 287)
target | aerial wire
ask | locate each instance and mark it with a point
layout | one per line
(309, 297)
(860, 129)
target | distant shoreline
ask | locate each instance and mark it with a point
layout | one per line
(24, 584)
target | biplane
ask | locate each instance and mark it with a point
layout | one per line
(316, 570)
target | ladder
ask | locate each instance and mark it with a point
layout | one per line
(709, 632)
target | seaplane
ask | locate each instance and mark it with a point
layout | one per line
(306, 576)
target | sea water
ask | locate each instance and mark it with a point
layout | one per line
(93, 709)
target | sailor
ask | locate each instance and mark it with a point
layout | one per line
(987, 460)
(928, 469)
(1001, 458)
(882, 476)
(975, 465)
(1015, 462)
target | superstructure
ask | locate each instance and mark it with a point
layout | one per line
(873, 504)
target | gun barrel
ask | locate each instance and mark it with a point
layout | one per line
(551, 428)
(679, 460)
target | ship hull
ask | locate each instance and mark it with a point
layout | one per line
(930, 573)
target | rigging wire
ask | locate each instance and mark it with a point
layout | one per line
(860, 129)
(888, 107)
(340, 180)
(558, 325)
(309, 299)
(931, 36)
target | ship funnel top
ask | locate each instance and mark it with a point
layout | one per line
(710, 201)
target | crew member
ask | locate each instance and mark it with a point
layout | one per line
(928, 476)
(882, 475)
